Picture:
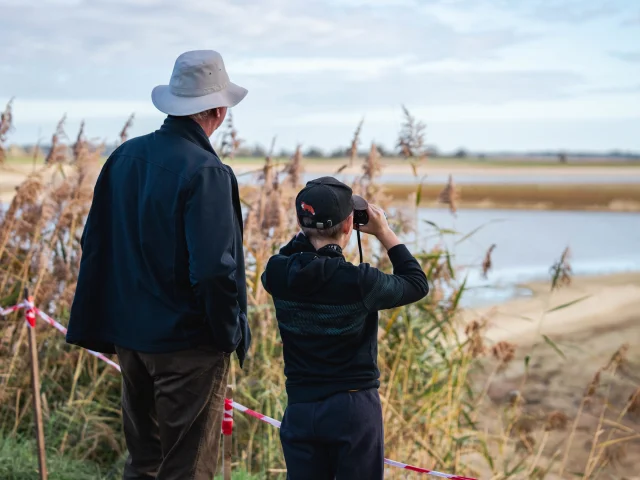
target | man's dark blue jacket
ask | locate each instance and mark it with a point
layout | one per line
(162, 264)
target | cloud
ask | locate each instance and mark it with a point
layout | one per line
(320, 62)
(632, 21)
(618, 90)
(564, 109)
(576, 11)
(435, 88)
(331, 65)
(120, 49)
(633, 57)
(127, 32)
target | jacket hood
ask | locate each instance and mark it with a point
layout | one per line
(307, 269)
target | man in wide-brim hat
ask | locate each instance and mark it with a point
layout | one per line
(162, 277)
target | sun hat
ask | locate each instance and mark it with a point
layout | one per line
(199, 82)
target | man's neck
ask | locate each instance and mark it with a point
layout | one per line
(207, 125)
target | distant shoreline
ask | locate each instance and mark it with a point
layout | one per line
(602, 301)
(571, 197)
(578, 195)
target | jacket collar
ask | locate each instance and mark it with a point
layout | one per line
(188, 129)
(300, 243)
(331, 250)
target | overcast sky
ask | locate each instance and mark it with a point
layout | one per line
(482, 74)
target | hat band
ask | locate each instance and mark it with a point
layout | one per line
(188, 92)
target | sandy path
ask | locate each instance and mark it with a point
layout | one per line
(607, 300)
(589, 333)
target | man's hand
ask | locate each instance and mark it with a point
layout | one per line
(379, 227)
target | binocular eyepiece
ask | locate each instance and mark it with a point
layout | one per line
(360, 217)
(360, 206)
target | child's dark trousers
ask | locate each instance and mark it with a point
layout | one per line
(340, 438)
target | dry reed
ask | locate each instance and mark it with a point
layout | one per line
(431, 407)
(450, 195)
(230, 139)
(58, 151)
(124, 133)
(353, 150)
(561, 271)
(411, 140)
(486, 262)
(633, 407)
(6, 123)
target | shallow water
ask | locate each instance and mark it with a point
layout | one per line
(529, 242)
(487, 179)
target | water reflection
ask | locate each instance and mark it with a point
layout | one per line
(439, 179)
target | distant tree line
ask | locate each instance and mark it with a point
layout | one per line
(259, 151)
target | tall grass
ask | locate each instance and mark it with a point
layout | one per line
(435, 371)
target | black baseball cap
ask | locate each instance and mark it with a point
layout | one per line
(325, 202)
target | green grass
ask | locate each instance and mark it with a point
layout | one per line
(18, 461)
(241, 476)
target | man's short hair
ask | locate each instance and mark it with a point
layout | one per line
(331, 232)
(203, 115)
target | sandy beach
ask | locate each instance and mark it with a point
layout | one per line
(601, 302)
(604, 322)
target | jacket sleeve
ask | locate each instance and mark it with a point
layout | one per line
(408, 284)
(210, 225)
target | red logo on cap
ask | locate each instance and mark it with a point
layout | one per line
(308, 208)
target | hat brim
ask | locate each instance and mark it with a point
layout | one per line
(171, 104)
(359, 203)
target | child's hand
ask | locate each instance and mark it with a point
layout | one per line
(379, 227)
(377, 221)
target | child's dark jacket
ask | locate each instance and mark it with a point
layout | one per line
(327, 310)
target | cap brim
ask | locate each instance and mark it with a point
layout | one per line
(171, 104)
(359, 203)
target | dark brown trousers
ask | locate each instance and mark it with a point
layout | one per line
(172, 408)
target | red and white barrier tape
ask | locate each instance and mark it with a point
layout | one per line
(393, 463)
(7, 311)
(227, 422)
(62, 329)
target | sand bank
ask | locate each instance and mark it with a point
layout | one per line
(588, 334)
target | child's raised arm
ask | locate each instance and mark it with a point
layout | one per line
(407, 284)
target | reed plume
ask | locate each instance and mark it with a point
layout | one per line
(6, 124)
(372, 167)
(58, 151)
(561, 271)
(504, 352)
(230, 139)
(295, 169)
(487, 263)
(411, 139)
(450, 195)
(124, 133)
(353, 150)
